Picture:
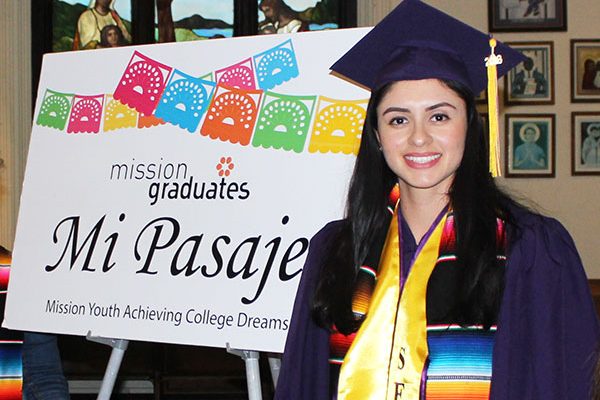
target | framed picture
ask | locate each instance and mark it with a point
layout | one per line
(585, 70)
(532, 81)
(527, 15)
(585, 143)
(530, 145)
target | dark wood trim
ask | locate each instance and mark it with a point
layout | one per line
(245, 17)
(142, 21)
(348, 13)
(41, 40)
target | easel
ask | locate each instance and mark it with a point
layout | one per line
(120, 345)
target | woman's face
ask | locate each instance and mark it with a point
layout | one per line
(422, 126)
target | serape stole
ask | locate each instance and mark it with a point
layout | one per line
(456, 363)
(460, 357)
(460, 362)
(11, 370)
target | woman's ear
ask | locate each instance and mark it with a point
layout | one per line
(377, 137)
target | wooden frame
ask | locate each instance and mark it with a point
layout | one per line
(532, 81)
(530, 145)
(585, 70)
(530, 15)
(585, 143)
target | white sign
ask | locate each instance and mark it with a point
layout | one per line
(185, 217)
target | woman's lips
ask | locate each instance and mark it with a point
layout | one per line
(422, 160)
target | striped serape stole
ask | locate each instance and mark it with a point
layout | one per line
(460, 362)
(366, 279)
(338, 342)
(460, 357)
(11, 369)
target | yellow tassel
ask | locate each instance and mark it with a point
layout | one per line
(491, 62)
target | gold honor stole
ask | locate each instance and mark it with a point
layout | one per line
(387, 357)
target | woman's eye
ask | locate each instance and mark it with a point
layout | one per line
(398, 121)
(439, 117)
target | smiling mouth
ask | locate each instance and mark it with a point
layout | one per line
(423, 159)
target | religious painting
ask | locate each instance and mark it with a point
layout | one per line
(585, 143)
(527, 15)
(530, 145)
(532, 81)
(585, 70)
(194, 20)
(93, 24)
(289, 16)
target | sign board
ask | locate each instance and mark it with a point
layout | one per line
(171, 190)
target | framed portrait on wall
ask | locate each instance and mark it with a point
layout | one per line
(532, 81)
(527, 15)
(530, 145)
(585, 70)
(585, 143)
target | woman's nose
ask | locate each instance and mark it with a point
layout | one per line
(419, 135)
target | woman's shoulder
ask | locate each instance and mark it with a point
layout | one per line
(542, 241)
(329, 230)
(532, 223)
(319, 245)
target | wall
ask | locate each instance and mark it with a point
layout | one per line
(15, 110)
(574, 200)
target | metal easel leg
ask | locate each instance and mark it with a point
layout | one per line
(114, 363)
(275, 366)
(252, 371)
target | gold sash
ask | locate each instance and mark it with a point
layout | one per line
(388, 354)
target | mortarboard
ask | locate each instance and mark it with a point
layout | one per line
(416, 41)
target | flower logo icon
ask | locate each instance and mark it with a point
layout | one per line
(225, 166)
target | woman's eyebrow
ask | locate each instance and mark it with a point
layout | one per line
(438, 105)
(406, 110)
(395, 109)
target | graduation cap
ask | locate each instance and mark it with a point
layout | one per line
(416, 41)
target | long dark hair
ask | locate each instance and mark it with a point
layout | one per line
(476, 202)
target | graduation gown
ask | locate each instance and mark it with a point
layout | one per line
(545, 346)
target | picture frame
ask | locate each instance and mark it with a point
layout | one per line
(585, 143)
(532, 81)
(527, 15)
(530, 145)
(585, 70)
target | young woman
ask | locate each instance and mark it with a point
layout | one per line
(459, 292)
